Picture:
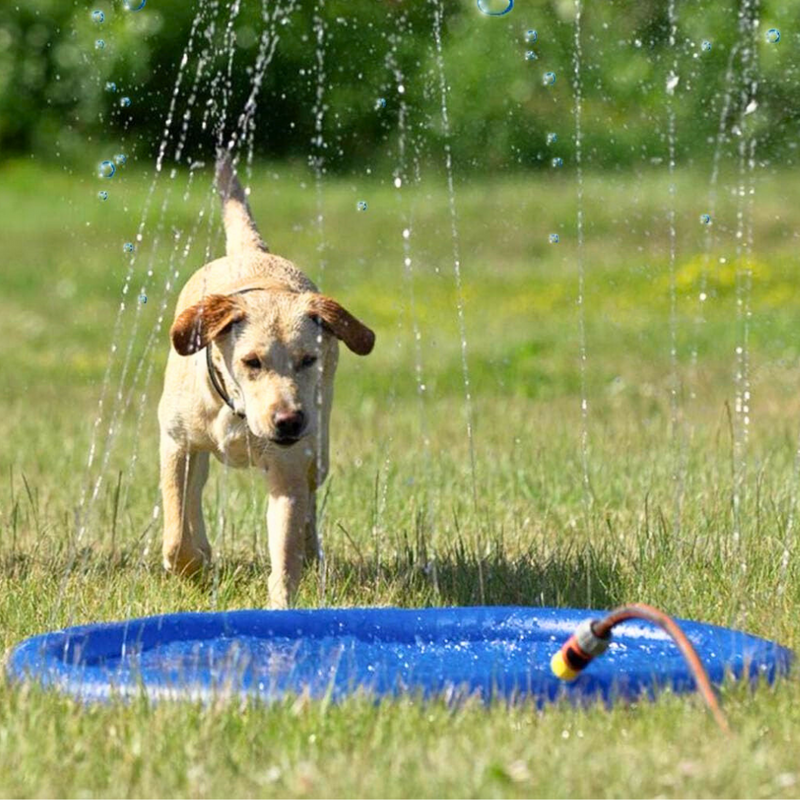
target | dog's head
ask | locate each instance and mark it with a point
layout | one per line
(277, 346)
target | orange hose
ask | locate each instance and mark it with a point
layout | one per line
(644, 612)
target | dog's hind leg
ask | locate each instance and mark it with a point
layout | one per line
(312, 538)
(183, 474)
(316, 474)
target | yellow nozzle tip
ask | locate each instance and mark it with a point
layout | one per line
(561, 669)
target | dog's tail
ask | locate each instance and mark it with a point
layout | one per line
(241, 233)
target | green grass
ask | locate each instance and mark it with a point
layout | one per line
(401, 524)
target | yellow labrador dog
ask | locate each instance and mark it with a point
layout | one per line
(250, 380)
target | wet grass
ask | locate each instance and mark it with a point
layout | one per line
(401, 522)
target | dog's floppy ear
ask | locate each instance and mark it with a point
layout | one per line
(355, 334)
(197, 325)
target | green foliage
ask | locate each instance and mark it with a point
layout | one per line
(53, 101)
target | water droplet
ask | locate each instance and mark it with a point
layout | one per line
(406, 233)
(705, 219)
(773, 35)
(361, 205)
(672, 82)
(134, 5)
(111, 86)
(99, 44)
(120, 159)
(380, 103)
(106, 169)
(98, 16)
(487, 6)
(554, 238)
(552, 138)
(142, 298)
(530, 56)
(103, 195)
(398, 182)
(557, 162)
(549, 78)
(531, 36)
(128, 247)
(706, 45)
(125, 102)
(703, 297)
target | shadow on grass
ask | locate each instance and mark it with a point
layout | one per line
(457, 575)
(412, 574)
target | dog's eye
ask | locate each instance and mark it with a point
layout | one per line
(252, 363)
(307, 361)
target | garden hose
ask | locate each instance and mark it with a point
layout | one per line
(592, 638)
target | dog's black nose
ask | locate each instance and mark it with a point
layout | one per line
(289, 424)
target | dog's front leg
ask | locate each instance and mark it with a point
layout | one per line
(287, 518)
(183, 475)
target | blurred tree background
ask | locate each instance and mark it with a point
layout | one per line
(54, 99)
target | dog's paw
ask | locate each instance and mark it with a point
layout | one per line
(278, 593)
(186, 562)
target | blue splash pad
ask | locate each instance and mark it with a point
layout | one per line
(494, 651)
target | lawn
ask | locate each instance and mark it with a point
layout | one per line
(682, 503)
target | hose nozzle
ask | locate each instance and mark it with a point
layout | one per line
(578, 651)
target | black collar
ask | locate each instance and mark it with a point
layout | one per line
(216, 382)
(213, 373)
